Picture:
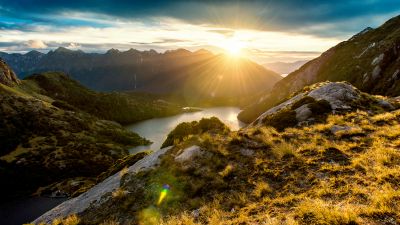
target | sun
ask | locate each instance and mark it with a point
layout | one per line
(233, 46)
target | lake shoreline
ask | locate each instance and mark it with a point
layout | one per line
(157, 129)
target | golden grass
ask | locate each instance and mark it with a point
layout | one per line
(283, 149)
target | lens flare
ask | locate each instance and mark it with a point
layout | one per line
(163, 193)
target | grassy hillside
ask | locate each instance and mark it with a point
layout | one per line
(121, 107)
(42, 144)
(46, 141)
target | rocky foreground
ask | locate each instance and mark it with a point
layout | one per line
(337, 161)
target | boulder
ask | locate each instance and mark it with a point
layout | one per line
(311, 103)
(188, 153)
(303, 113)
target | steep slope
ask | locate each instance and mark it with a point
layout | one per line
(173, 71)
(42, 143)
(369, 60)
(124, 108)
(343, 169)
(7, 76)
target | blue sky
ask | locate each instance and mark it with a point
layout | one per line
(284, 30)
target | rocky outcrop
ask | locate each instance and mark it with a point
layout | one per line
(7, 76)
(313, 103)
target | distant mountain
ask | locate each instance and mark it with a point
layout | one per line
(199, 74)
(285, 67)
(370, 61)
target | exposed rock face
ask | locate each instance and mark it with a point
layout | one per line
(339, 96)
(98, 194)
(7, 76)
(312, 105)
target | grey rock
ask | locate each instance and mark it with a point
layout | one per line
(376, 72)
(188, 153)
(303, 113)
(335, 128)
(196, 213)
(247, 152)
(385, 104)
(377, 60)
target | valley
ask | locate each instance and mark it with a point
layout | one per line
(166, 113)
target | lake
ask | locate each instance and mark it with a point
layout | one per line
(157, 129)
(20, 211)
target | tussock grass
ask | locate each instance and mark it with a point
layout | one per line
(283, 149)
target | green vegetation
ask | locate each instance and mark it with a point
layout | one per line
(45, 144)
(124, 108)
(211, 125)
(285, 118)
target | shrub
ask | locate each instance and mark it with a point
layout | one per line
(280, 121)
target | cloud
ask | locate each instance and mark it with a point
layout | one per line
(74, 46)
(345, 16)
(36, 44)
(225, 32)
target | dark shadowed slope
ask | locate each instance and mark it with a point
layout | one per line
(370, 60)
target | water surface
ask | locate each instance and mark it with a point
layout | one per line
(21, 211)
(157, 129)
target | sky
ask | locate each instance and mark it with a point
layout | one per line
(265, 30)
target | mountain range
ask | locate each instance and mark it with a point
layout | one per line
(193, 75)
(285, 67)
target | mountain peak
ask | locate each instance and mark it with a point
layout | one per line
(62, 49)
(113, 51)
(132, 51)
(203, 51)
(34, 53)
